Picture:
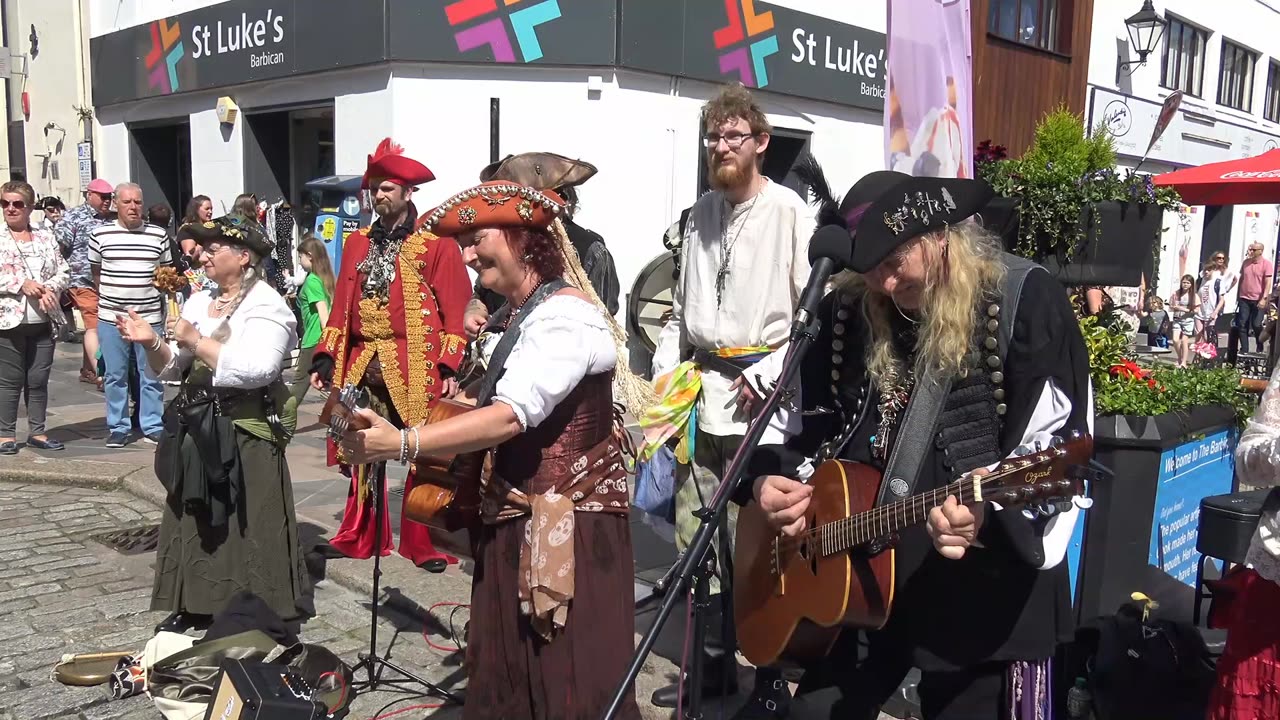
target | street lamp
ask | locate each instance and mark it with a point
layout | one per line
(1145, 30)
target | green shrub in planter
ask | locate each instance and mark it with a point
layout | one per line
(1122, 387)
(1071, 206)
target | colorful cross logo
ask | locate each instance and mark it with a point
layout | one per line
(162, 60)
(493, 32)
(746, 25)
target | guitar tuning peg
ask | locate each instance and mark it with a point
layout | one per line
(1039, 447)
(1055, 441)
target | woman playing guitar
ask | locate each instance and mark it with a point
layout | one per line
(552, 616)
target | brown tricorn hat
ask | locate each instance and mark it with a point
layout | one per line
(539, 170)
(494, 204)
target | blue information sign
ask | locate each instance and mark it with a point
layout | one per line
(1188, 473)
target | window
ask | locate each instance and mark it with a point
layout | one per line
(1030, 22)
(1182, 67)
(1271, 105)
(1235, 76)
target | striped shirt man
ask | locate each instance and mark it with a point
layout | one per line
(126, 261)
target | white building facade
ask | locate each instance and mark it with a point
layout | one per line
(49, 105)
(617, 83)
(1224, 57)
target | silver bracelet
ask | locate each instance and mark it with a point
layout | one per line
(415, 443)
(404, 447)
(155, 344)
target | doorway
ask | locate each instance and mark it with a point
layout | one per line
(160, 162)
(785, 147)
(285, 149)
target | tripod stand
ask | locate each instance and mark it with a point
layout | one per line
(371, 662)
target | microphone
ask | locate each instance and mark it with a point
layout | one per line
(830, 250)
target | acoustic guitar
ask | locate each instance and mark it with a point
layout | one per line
(793, 595)
(447, 487)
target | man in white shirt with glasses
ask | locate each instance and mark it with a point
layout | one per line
(744, 265)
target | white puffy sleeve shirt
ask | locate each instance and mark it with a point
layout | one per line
(563, 340)
(263, 333)
(1258, 465)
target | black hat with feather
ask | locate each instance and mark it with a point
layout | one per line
(847, 211)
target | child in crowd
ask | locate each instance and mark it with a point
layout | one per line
(1158, 323)
(315, 299)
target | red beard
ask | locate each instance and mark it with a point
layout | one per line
(727, 176)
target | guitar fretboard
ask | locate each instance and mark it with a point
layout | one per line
(884, 520)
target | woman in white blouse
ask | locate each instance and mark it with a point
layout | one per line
(229, 524)
(32, 276)
(552, 612)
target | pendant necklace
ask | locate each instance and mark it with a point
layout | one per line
(511, 316)
(726, 247)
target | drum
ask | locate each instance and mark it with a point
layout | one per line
(649, 304)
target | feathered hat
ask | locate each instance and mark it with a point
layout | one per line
(388, 162)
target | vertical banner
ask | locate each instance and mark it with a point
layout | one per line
(929, 116)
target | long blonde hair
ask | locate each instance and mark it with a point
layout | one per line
(313, 247)
(958, 275)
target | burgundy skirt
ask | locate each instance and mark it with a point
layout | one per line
(1248, 686)
(512, 673)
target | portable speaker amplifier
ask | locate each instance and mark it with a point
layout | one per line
(261, 691)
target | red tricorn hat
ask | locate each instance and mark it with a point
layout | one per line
(496, 204)
(389, 163)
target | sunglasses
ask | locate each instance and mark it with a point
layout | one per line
(16, 204)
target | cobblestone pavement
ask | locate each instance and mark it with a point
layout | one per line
(63, 592)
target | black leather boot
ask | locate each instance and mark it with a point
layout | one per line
(770, 700)
(713, 684)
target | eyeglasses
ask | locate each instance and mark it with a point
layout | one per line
(15, 204)
(733, 139)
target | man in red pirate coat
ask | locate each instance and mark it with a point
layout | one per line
(395, 330)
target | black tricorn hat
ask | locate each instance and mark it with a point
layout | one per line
(910, 208)
(229, 230)
(539, 170)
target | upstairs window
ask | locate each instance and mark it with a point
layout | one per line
(1182, 67)
(1235, 76)
(1027, 22)
(1271, 105)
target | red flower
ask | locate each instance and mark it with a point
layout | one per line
(1128, 370)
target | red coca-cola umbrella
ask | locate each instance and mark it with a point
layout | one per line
(1250, 181)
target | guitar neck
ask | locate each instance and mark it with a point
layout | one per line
(884, 520)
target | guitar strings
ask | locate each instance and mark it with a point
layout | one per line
(851, 530)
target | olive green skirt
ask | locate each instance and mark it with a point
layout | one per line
(199, 568)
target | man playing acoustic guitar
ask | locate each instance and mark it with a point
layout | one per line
(934, 309)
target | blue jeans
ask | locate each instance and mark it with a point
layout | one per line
(115, 384)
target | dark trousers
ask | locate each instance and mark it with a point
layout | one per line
(302, 373)
(1248, 320)
(26, 356)
(976, 693)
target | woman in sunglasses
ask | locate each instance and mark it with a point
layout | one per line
(32, 276)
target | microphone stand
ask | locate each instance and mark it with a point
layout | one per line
(695, 566)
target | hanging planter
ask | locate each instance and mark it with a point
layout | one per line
(1111, 251)
(1064, 205)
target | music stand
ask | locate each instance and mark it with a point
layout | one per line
(372, 662)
